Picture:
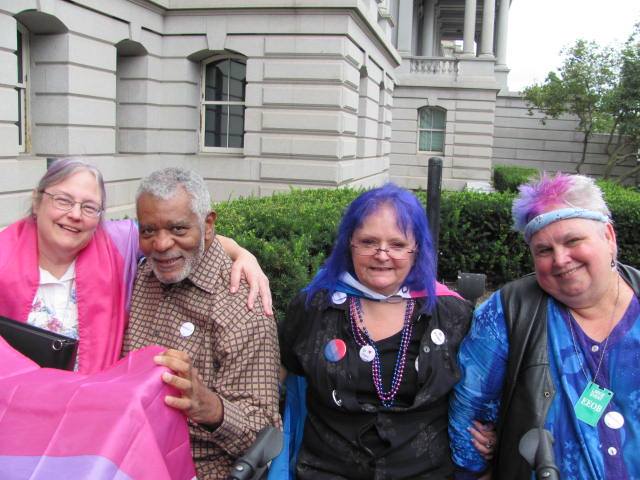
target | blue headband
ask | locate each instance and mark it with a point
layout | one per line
(538, 223)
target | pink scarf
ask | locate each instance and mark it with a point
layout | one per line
(101, 288)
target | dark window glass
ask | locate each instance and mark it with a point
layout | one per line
(19, 122)
(225, 81)
(224, 126)
(19, 58)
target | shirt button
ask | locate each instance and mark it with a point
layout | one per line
(426, 349)
(612, 451)
(595, 348)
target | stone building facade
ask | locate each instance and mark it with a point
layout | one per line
(260, 95)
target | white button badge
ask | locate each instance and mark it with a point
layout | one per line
(338, 298)
(187, 329)
(614, 420)
(437, 336)
(367, 353)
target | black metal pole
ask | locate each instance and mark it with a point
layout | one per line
(434, 181)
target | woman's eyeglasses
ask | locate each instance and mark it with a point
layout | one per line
(66, 203)
(369, 249)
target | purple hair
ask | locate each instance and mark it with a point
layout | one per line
(411, 218)
(559, 191)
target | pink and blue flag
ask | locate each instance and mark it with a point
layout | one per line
(111, 425)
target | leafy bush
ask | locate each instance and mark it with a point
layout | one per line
(292, 233)
(507, 178)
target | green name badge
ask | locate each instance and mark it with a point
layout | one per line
(592, 403)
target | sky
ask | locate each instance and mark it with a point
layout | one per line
(539, 29)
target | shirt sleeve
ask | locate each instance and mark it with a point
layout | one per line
(247, 384)
(483, 359)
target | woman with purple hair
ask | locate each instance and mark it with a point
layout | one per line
(65, 269)
(556, 352)
(376, 339)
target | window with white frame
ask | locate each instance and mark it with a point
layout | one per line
(22, 61)
(431, 122)
(224, 85)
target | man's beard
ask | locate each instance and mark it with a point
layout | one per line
(191, 261)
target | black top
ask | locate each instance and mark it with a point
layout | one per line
(348, 433)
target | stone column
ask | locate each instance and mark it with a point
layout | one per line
(502, 32)
(428, 27)
(488, 20)
(469, 27)
(405, 26)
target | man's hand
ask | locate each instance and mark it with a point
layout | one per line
(199, 403)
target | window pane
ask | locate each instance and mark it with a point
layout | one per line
(237, 81)
(438, 118)
(217, 80)
(236, 126)
(437, 141)
(19, 54)
(425, 142)
(425, 118)
(224, 126)
(19, 122)
(215, 126)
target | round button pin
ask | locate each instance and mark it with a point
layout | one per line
(614, 420)
(338, 297)
(437, 336)
(187, 329)
(367, 353)
(335, 350)
(417, 364)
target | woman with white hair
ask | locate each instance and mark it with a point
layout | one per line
(558, 350)
(65, 269)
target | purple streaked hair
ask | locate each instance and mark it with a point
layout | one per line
(553, 192)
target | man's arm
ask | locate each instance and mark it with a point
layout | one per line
(245, 394)
(483, 359)
(246, 264)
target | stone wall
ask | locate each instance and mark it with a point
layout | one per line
(521, 139)
(119, 83)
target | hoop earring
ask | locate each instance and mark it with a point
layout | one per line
(613, 264)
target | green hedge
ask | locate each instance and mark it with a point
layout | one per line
(292, 233)
(507, 178)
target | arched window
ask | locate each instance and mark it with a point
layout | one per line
(22, 60)
(431, 122)
(223, 94)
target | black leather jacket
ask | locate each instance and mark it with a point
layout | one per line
(528, 389)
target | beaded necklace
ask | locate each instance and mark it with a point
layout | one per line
(362, 338)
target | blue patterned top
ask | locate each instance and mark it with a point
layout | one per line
(582, 452)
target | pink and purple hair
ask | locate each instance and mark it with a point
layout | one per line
(559, 191)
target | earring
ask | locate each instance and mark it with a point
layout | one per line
(613, 264)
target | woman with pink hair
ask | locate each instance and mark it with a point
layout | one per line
(555, 357)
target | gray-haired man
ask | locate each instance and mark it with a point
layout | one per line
(224, 357)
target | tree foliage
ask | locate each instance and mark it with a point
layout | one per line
(600, 85)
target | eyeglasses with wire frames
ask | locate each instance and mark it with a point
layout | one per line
(365, 248)
(65, 203)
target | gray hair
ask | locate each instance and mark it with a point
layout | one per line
(164, 184)
(63, 168)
